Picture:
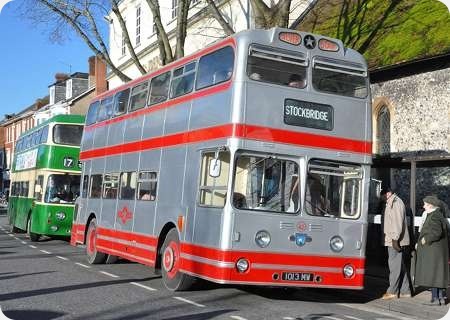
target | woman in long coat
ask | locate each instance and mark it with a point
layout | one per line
(432, 251)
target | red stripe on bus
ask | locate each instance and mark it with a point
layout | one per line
(177, 63)
(192, 262)
(129, 236)
(276, 258)
(164, 105)
(259, 276)
(234, 131)
(306, 139)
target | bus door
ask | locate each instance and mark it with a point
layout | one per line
(214, 174)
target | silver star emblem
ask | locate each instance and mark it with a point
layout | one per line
(310, 42)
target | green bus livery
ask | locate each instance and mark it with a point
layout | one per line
(45, 177)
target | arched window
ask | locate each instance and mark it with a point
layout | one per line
(383, 131)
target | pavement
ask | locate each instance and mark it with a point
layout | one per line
(376, 283)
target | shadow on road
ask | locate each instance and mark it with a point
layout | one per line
(22, 275)
(38, 292)
(32, 314)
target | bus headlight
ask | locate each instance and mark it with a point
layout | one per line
(60, 215)
(242, 265)
(349, 271)
(54, 228)
(262, 238)
(336, 244)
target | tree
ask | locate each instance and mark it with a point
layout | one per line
(87, 20)
(265, 16)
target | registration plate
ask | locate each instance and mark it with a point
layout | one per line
(297, 276)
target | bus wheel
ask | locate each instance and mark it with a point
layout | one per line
(93, 256)
(173, 279)
(34, 237)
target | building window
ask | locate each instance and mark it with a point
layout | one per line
(174, 8)
(383, 131)
(138, 26)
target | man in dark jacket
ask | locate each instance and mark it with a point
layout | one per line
(432, 251)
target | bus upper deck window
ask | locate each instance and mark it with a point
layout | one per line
(138, 96)
(340, 77)
(159, 88)
(277, 66)
(121, 102)
(215, 67)
(44, 134)
(91, 116)
(67, 134)
(183, 80)
(105, 109)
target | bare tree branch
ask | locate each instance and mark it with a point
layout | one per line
(78, 27)
(125, 34)
(165, 51)
(220, 18)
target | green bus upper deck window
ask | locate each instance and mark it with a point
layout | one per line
(67, 134)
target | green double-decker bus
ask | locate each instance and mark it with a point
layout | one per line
(45, 177)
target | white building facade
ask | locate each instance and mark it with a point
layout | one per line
(203, 29)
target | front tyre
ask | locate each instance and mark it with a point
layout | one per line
(173, 279)
(93, 256)
(34, 237)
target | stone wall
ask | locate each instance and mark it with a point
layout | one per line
(420, 110)
(419, 107)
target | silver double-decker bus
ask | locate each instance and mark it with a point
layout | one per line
(245, 163)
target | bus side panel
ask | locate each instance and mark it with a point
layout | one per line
(170, 187)
(109, 206)
(87, 140)
(115, 133)
(133, 129)
(100, 136)
(153, 124)
(211, 111)
(144, 218)
(94, 205)
(191, 189)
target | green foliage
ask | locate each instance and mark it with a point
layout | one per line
(385, 31)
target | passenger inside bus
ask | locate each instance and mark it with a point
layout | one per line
(315, 196)
(239, 200)
(297, 81)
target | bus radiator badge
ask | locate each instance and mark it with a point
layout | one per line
(300, 239)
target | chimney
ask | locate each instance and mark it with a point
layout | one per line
(60, 77)
(101, 85)
(91, 62)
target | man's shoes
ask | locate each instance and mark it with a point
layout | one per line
(388, 296)
(405, 295)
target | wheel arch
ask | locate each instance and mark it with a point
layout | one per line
(161, 238)
(91, 216)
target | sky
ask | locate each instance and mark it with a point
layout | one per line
(29, 60)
